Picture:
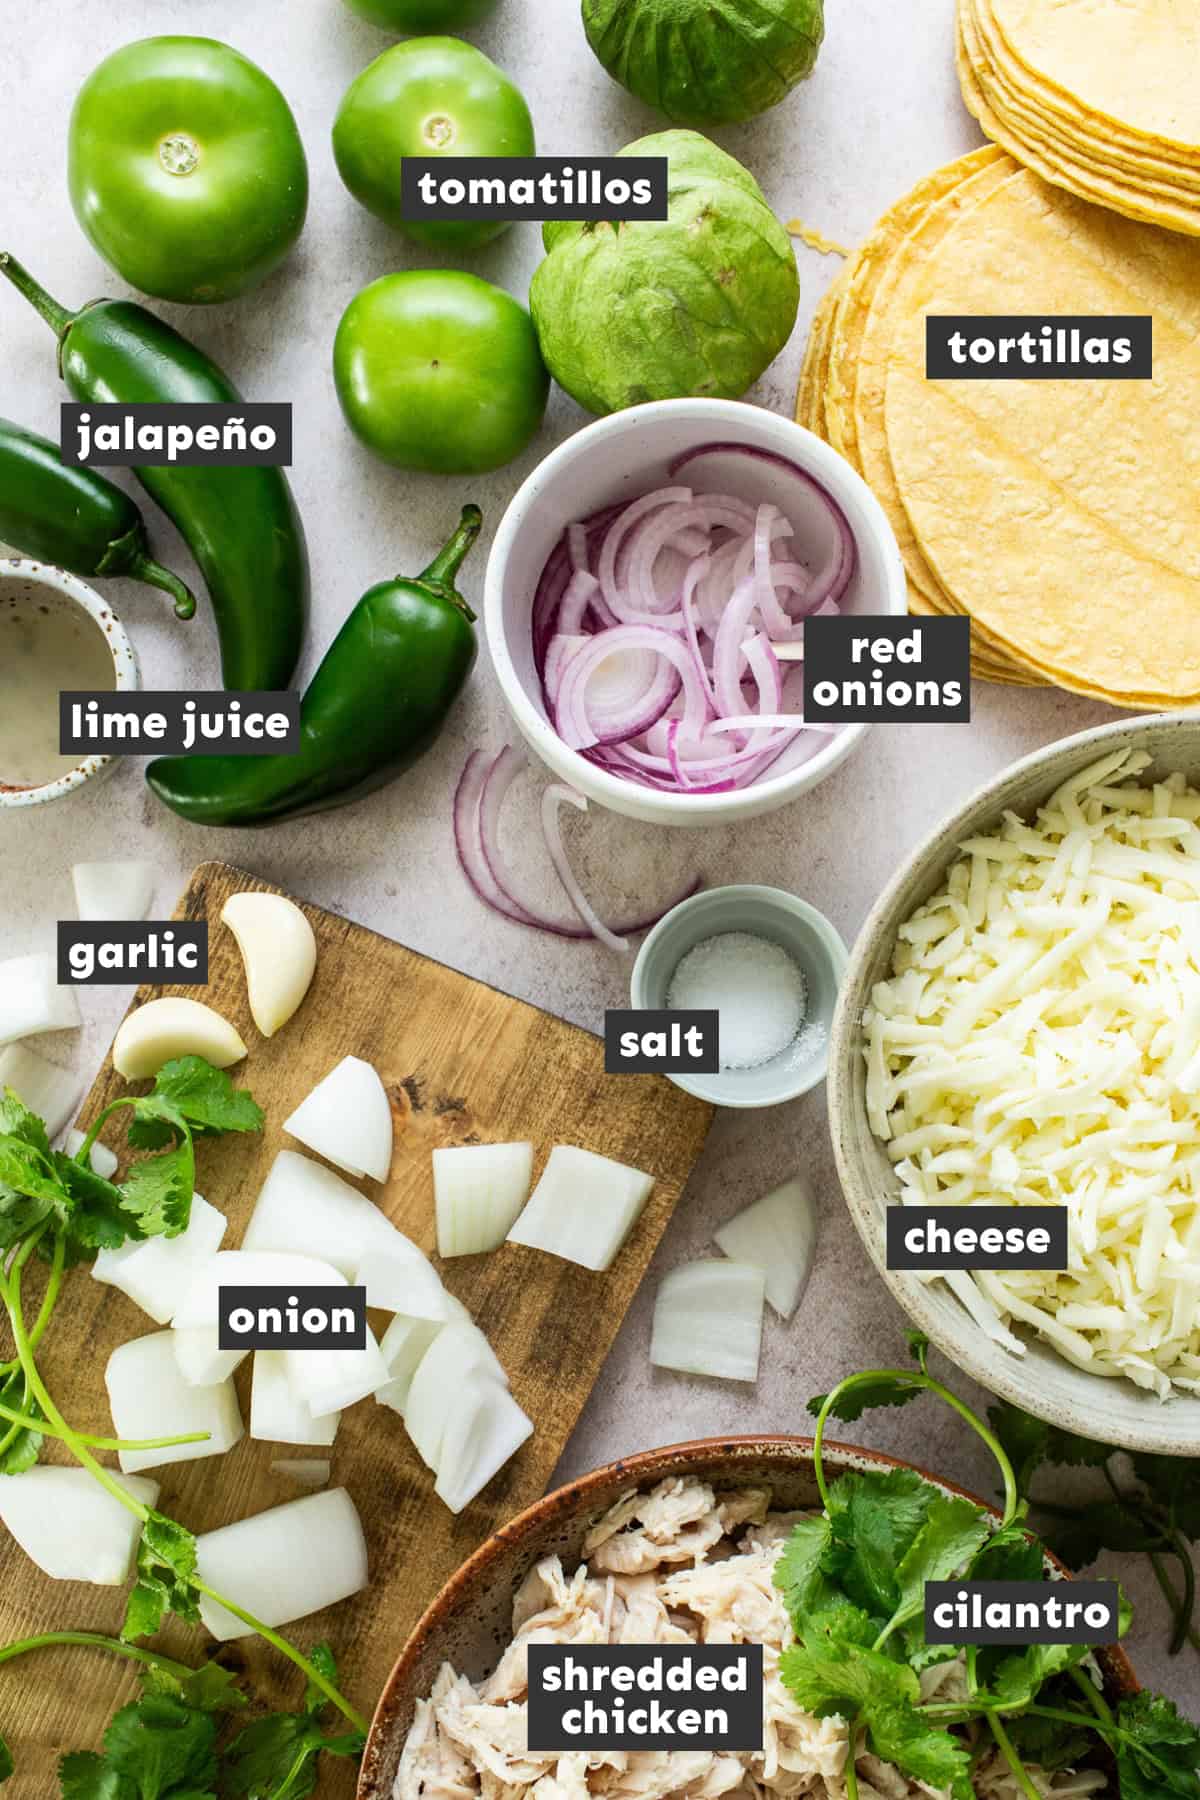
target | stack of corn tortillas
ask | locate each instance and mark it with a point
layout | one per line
(1062, 516)
(1101, 97)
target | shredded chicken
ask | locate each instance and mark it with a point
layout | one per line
(678, 1565)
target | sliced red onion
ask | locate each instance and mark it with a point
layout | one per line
(727, 650)
(562, 646)
(556, 795)
(579, 729)
(765, 722)
(831, 581)
(607, 568)
(575, 600)
(577, 546)
(764, 666)
(488, 875)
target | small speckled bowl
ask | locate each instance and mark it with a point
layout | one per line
(798, 928)
(470, 1622)
(22, 579)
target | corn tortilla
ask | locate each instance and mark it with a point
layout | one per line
(1066, 119)
(816, 379)
(1129, 63)
(1067, 171)
(1064, 515)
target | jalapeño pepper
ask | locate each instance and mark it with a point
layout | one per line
(240, 524)
(374, 706)
(74, 517)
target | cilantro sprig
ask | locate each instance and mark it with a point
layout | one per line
(167, 1745)
(853, 1580)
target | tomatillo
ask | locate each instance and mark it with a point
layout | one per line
(186, 168)
(441, 371)
(422, 15)
(433, 96)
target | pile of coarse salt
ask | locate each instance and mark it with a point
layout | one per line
(754, 985)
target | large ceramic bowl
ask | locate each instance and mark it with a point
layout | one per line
(627, 455)
(1041, 1381)
(470, 1621)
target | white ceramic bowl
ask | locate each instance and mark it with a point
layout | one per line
(619, 458)
(1041, 1381)
(24, 577)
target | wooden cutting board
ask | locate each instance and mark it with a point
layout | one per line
(462, 1063)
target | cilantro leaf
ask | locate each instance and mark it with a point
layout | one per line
(1029, 1442)
(94, 1219)
(888, 1390)
(155, 1123)
(6, 1761)
(953, 1531)
(834, 1676)
(18, 1122)
(158, 1191)
(1019, 1677)
(276, 1758)
(799, 1571)
(1173, 1483)
(927, 1753)
(210, 1688)
(26, 1446)
(1159, 1751)
(875, 1518)
(166, 1562)
(203, 1096)
(1051, 1743)
(156, 1749)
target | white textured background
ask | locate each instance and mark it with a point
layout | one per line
(881, 110)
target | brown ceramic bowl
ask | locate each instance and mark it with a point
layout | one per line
(469, 1623)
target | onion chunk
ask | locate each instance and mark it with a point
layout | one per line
(70, 1526)
(156, 1273)
(31, 999)
(149, 1398)
(583, 1208)
(276, 1415)
(284, 1563)
(401, 1279)
(457, 1354)
(479, 1190)
(42, 1086)
(113, 890)
(485, 1429)
(347, 1119)
(777, 1234)
(306, 1208)
(708, 1320)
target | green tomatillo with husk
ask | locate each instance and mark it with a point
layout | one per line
(706, 62)
(695, 304)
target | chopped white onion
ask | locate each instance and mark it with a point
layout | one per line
(276, 1415)
(347, 1119)
(31, 999)
(479, 1190)
(201, 1359)
(583, 1208)
(46, 1090)
(158, 1272)
(71, 1527)
(458, 1352)
(162, 1030)
(279, 954)
(104, 1162)
(113, 890)
(330, 1380)
(284, 1563)
(485, 1428)
(306, 1208)
(149, 1398)
(401, 1279)
(777, 1234)
(305, 1471)
(403, 1345)
(708, 1320)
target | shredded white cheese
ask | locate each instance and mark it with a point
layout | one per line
(1038, 1041)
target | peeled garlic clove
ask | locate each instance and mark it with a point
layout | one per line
(162, 1030)
(279, 954)
(113, 890)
